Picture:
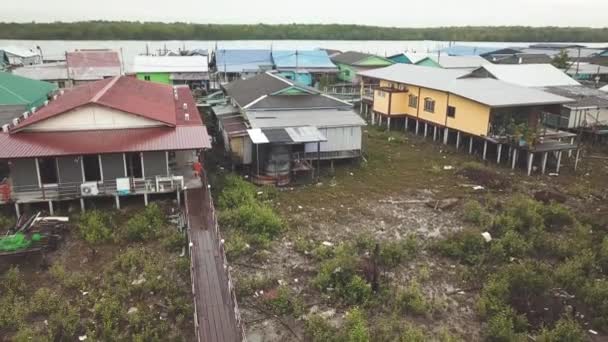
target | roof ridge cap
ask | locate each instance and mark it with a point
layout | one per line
(105, 89)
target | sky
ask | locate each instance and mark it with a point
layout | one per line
(400, 13)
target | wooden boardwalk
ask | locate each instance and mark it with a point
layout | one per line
(216, 313)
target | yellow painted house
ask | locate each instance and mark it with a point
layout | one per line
(454, 99)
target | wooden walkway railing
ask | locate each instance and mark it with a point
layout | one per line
(216, 312)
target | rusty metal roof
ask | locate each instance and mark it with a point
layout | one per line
(93, 64)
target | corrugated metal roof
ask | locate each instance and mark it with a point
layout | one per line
(464, 50)
(17, 90)
(289, 135)
(458, 62)
(293, 118)
(530, 75)
(93, 64)
(221, 110)
(351, 57)
(41, 144)
(44, 72)
(587, 68)
(491, 92)
(604, 88)
(257, 136)
(305, 134)
(143, 64)
(290, 59)
(20, 51)
(299, 102)
(584, 96)
(238, 61)
(246, 91)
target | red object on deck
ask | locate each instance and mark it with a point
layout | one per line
(5, 191)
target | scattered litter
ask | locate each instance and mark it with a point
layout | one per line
(327, 243)
(295, 280)
(132, 310)
(448, 167)
(461, 292)
(85, 293)
(139, 281)
(260, 193)
(82, 338)
(352, 174)
(300, 207)
(281, 282)
(486, 236)
(478, 187)
(553, 174)
(593, 332)
(328, 314)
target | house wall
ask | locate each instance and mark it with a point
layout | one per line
(346, 73)
(587, 117)
(300, 77)
(441, 103)
(70, 169)
(242, 148)
(158, 77)
(113, 166)
(92, 117)
(471, 117)
(155, 163)
(338, 139)
(399, 103)
(23, 172)
(381, 100)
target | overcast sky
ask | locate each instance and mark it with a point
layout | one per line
(403, 13)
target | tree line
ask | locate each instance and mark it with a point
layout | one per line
(123, 30)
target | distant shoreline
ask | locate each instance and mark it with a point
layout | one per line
(155, 31)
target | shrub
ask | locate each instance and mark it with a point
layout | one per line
(475, 213)
(174, 240)
(557, 216)
(514, 245)
(395, 252)
(286, 302)
(412, 300)
(95, 227)
(468, 246)
(236, 245)
(565, 330)
(337, 273)
(6, 222)
(317, 329)
(412, 334)
(501, 328)
(355, 326)
(522, 214)
(109, 313)
(145, 225)
(595, 295)
(259, 221)
(247, 286)
(356, 291)
(574, 272)
(236, 192)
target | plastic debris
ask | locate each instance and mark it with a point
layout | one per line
(486, 236)
(592, 331)
(448, 167)
(478, 187)
(327, 243)
(82, 338)
(132, 310)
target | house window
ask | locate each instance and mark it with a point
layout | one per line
(429, 105)
(91, 168)
(381, 93)
(413, 101)
(61, 84)
(134, 165)
(147, 77)
(47, 168)
(451, 112)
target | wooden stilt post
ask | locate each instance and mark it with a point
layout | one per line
(559, 161)
(578, 152)
(571, 143)
(457, 139)
(17, 210)
(485, 149)
(513, 157)
(471, 145)
(499, 152)
(530, 161)
(446, 135)
(544, 162)
(435, 133)
(51, 211)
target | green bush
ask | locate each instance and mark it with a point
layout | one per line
(356, 329)
(557, 216)
(317, 329)
(521, 213)
(595, 295)
(95, 227)
(248, 285)
(574, 272)
(6, 223)
(286, 302)
(468, 246)
(394, 253)
(475, 213)
(565, 330)
(236, 192)
(412, 300)
(174, 240)
(501, 328)
(412, 334)
(340, 275)
(356, 291)
(513, 244)
(259, 221)
(145, 225)
(236, 245)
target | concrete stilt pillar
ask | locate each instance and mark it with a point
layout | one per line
(513, 158)
(544, 162)
(559, 161)
(51, 211)
(82, 208)
(571, 143)
(426, 128)
(179, 198)
(417, 126)
(499, 152)
(373, 118)
(388, 124)
(530, 162)
(407, 123)
(471, 145)
(117, 200)
(146, 199)
(17, 210)
(435, 133)
(485, 149)
(446, 135)
(578, 152)
(510, 153)
(458, 140)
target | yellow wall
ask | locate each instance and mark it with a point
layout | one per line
(441, 102)
(471, 117)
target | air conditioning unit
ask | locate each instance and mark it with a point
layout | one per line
(89, 189)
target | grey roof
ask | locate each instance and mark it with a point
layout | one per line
(294, 118)
(488, 91)
(44, 72)
(455, 62)
(529, 75)
(520, 58)
(351, 57)
(584, 96)
(587, 68)
(303, 134)
(299, 102)
(221, 110)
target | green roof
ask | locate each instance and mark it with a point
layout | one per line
(17, 90)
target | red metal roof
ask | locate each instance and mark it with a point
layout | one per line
(93, 58)
(147, 99)
(41, 144)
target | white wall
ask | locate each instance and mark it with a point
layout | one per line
(588, 117)
(338, 139)
(92, 117)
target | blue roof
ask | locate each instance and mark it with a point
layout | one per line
(462, 50)
(242, 60)
(310, 59)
